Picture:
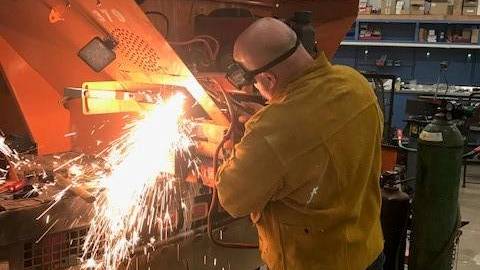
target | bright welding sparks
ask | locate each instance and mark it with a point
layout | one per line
(136, 190)
(12, 155)
(75, 170)
(9, 154)
(4, 149)
(56, 199)
(90, 263)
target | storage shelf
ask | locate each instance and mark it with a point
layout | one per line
(417, 59)
(447, 19)
(410, 44)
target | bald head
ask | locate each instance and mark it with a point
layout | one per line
(263, 41)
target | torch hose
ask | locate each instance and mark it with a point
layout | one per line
(228, 135)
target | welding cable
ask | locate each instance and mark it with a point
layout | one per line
(213, 204)
(214, 40)
(209, 81)
(238, 105)
(167, 21)
(210, 51)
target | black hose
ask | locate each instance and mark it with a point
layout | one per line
(213, 204)
(167, 21)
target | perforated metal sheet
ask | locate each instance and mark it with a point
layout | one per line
(136, 52)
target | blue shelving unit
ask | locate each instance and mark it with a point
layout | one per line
(414, 60)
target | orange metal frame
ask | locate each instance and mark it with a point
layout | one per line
(39, 41)
(37, 101)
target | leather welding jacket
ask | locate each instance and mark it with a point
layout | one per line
(308, 170)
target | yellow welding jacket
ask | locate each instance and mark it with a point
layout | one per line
(307, 169)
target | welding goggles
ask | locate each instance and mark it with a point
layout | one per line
(239, 76)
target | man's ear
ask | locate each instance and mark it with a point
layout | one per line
(271, 80)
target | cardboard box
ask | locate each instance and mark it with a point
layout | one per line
(400, 7)
(366, 11)
(457, 7)
(362, 3)
(432, 36)
(475, 35)
(417, 7)
(388, 7)
(364, 8)
(470, 11)
(422, 35)
(417, 10)
(417, 2)
(450, 9)
(470, 3)
(438, 8)
(467, 34)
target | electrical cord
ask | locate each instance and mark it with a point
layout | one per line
(214, 40)
(167, 21)
(228, 135)
(210, 51)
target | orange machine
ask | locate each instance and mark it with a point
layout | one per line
(39, 45)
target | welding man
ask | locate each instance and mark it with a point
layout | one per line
(308, 166)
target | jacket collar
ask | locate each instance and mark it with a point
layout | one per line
(320, 66)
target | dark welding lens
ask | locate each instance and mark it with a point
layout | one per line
(237, 76)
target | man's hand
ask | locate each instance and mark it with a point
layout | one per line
(242, 117)
(251, 106)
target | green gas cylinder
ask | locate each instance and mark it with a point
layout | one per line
(436, 215)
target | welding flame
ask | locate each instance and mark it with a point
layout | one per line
(134, 194)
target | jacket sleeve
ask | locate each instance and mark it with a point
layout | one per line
(248, 180)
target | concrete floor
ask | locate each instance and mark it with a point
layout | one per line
(469, 251)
